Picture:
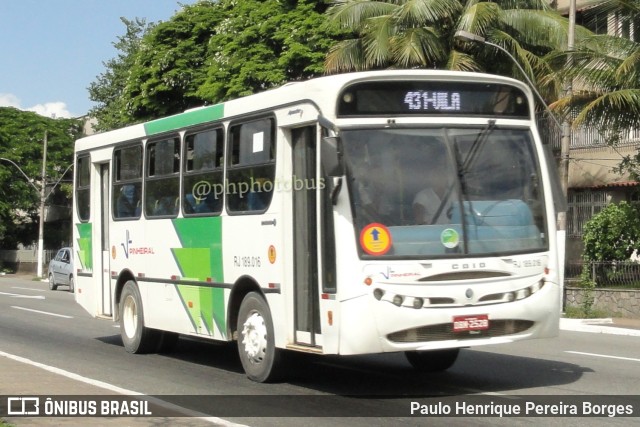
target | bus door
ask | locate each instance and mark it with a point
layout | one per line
(307, 313)
(105, 274)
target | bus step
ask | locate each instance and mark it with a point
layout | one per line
(304, 348)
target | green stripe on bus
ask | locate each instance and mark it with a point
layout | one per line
(85, 248)
(189, 118)
(200, 258)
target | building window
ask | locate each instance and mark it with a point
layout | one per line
(582, 206)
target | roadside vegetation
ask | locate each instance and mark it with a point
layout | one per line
(572, 312)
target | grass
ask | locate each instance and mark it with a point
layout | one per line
(573, 312)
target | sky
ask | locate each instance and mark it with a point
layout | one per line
(52, 50)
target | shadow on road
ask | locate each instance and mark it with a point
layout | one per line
(388, 374)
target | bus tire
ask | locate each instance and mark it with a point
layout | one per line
(136, 337)
(432, 360)
(260, 358)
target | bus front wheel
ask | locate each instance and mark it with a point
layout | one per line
(256, 343)
(136, 337)
(432, 360)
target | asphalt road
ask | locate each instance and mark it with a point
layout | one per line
(50, 346)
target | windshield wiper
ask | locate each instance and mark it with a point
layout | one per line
(464, 166)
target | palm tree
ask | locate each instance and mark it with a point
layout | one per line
(606, 78)
(606, 74)
(420, 34)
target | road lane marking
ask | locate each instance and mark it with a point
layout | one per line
(22, 296)
(120, 390)
(27, 289)
(604, 356)
(41, 312)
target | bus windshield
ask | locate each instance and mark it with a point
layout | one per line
(448, 191)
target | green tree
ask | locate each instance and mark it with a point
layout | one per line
(171, 63)
(606, 72)
(209, 52)
(263, 44)
(420, 34)
(606, 76)
(613, 233)
(21, 141)
(111, 111)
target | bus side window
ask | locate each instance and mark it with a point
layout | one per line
(162, 179)
(251, 169)
(127, 182)
(83, 188)
(203, 187)
(128, 201)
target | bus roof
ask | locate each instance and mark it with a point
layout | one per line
(322, 91)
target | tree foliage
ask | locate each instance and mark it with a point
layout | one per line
(209, 52)
(613, 233)
(420, 34)
(263, 44)
(109, 88)
(605, 71)
(21, 141)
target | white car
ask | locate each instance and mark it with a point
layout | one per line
(61, 270)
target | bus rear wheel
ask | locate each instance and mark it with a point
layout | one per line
(136, 337)
(260, 358)
(432, 360)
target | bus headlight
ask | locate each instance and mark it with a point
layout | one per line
(398, 300)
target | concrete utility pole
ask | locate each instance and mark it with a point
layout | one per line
(565, 149)
(43, 198)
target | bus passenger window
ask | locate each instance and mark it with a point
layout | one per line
(203, 187)
(162, 178)
(83, 188)
(128, 201)
(127, 182)
(251, 169)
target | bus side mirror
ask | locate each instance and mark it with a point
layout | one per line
(331, 151)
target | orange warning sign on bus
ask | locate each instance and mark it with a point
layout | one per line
(272, 254)
(375, 239)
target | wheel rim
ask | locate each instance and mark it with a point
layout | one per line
(130, 316)
(254, 337)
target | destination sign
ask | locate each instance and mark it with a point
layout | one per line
(432, 98)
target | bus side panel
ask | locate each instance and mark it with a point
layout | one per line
(85, 292)
(253, 247)
(171, 252)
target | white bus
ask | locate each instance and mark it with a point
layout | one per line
(389, 211)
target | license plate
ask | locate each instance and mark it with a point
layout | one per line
(478, 322)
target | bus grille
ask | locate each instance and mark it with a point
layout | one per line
(444, 331)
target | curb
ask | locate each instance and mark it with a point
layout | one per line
(598, 326)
